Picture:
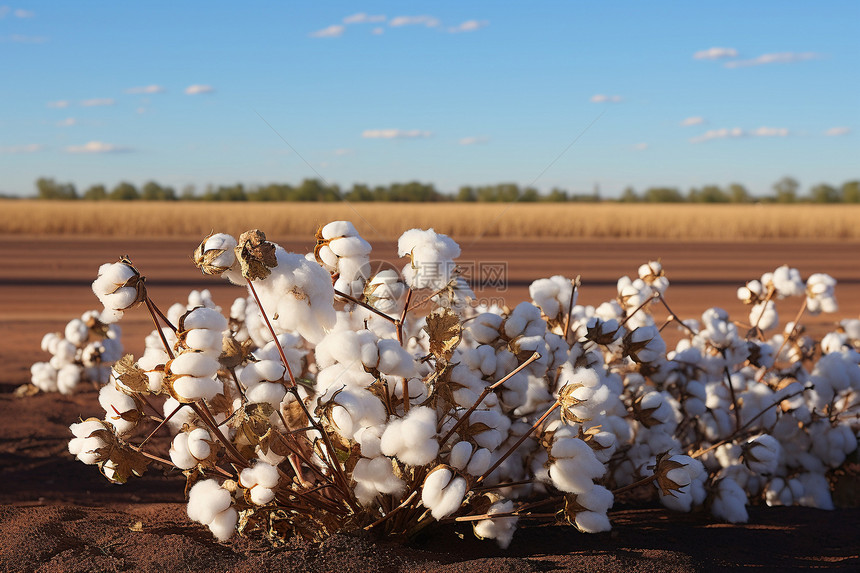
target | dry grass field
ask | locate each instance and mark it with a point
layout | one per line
(725, 223)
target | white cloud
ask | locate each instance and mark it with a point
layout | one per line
(60, 104)
(28, 148)
(474, 140)
(602, 98)
(68, 122)
(21, 13)
(97, 147)
(640, 147)
(362, 18)
(378, 31)
(428, 21)
(737, 133)
(342, 152)
(140, 111)
(777, 58)
(722, 133)
(98, 102)
(151, 89)
(332, 31)
(196, 89)
(22, 39)
(695, 120)
(836, 131)
(769, 132)
(395, 134)
(716, 54)
(469, 26)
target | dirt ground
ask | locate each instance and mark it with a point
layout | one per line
(58, 515)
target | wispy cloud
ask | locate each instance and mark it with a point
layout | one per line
(640, 147)
(695, 120)
(378, 31)
(151, 89)
(342, 152)
(469, 26)
(716, 54)
(428, 21)
(21, 13)
(474, 140)
(197, 89)
(396, 134)
(97, 147)
(22, 39)
(68, 122)
(837, 131)
(602, 98)
(60, 104)
(332, 31)
(98, 102)
(777, 58)
(28, 148)
(362, 18)
(738, 133)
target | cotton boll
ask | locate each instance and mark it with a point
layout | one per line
(216, 254)
(83, 445)
(68, 378)
(480, 462)
(191, 388)
(260, 479)
(780, 491)
(525, 320)
(460, 454)
(443, 493)
(110, 290)
(592, 522)
(764, 315)
(223, 525)
(385, 292)
(729, 502)
(195, 364)
(412, 439)
(370, 440)
(501, 528)
(206, 500)
(394, 360)
(376, 476)
(785, 280)
(77, 332)
(761, 454)
(44, 376)
(115, 404)
(484, 328)
(820, 296)
(816, 491)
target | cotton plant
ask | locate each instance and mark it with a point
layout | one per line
(83, 352)
(327, 397)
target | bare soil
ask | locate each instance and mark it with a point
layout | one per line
(57, 514)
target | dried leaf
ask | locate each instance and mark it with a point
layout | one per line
(234, 353)
(256, 255)
(254, 421)
(129, 375)
(124, 460)
(25, 391)
(136, 527)
(445, 331)
(568, 401)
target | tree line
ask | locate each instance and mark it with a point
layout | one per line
(786, 190)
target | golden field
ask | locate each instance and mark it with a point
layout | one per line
(727, 223)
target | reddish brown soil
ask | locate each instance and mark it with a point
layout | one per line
(59, 515)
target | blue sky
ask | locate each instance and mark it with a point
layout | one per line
(569, 94)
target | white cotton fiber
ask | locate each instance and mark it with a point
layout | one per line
(191, 388)
(501, 528)
(412, 439)
(195, 364)
(729, 503)
(223, 525)
(206, 500)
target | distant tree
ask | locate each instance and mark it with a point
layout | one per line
(824, 193)
(629, 196)
(557, 195)
(530, 195)
(124, 191)
(786, 190)
(738, 193)
(467, 194)
(708, 194)
(96, 193)
(189, 193)
(851, 192)
(50, 189)
(663, 195)
(152, 191)
(359, 192)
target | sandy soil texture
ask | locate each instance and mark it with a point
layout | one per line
(59, 515)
